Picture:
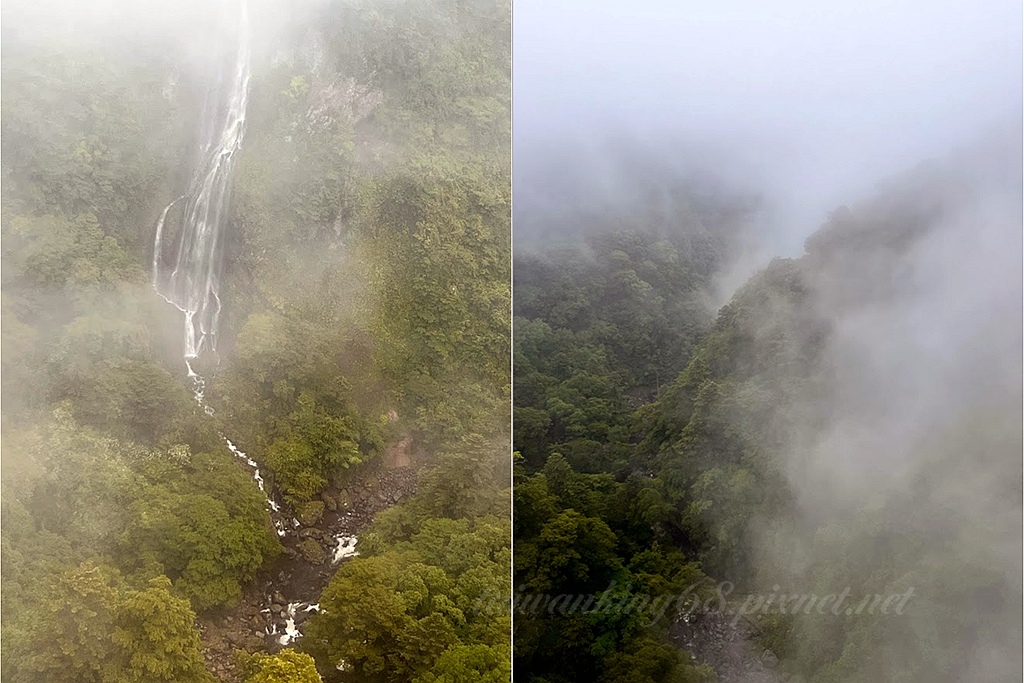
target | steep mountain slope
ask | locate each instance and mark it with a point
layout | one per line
(849, 424)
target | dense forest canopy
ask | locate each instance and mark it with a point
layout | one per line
(365, 295)
(328, 496)
(849, 419)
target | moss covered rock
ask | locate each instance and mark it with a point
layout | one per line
(312, 551)
(309, 513)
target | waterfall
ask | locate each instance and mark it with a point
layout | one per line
(194, 224)
(193, 285)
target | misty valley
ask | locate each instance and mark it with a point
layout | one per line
(294, 392)
(848, 423)
(255, 343)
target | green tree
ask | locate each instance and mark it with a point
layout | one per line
(155, 634)
(470, 664)
(286, 666)
(92, 627)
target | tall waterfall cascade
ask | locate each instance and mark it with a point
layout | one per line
(187, 258)
(187, 268)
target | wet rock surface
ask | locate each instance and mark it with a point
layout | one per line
(309, 514)
(284, 595)
(728, 645)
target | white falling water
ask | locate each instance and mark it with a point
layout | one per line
(195, 251)
(192, 285)
(289, 632)
(345, 546)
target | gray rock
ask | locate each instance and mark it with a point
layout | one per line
(312, 551)
(309, 513)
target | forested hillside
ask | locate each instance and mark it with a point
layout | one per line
(850, 419)
(364, 339)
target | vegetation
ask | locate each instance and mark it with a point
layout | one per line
(655, 492)
(410, 609)
(91, 627)
(366, 300)
(287, 666)
(598, 330)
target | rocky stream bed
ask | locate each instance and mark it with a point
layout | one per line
(284, 595)
(729, 646)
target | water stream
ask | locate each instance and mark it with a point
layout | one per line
(187, 267)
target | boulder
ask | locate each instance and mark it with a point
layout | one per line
(252, 642)
(312, 551)
(309, 513)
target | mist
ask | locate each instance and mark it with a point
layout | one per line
(808, 106)
(895, 129)
(242, 158)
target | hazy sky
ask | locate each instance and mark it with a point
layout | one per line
(810, 102)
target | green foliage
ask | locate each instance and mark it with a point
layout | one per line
(193, 517)
(628, 308)
(207, 529)
(446, 68)
(92, 319)
(600, 331)
(298, 409)
(313, 445)
(586, 534)
(372, 286)
(648, 661)
(89, 132)
(92, 627)
(573, 551)
(426, 599)
(470, 664)
(55, 254)
(287, 666)
(156, 633)
(596, 332)
(702, 474)
(440, 246)
(366, 300)
(462, 484)
(414, 610)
